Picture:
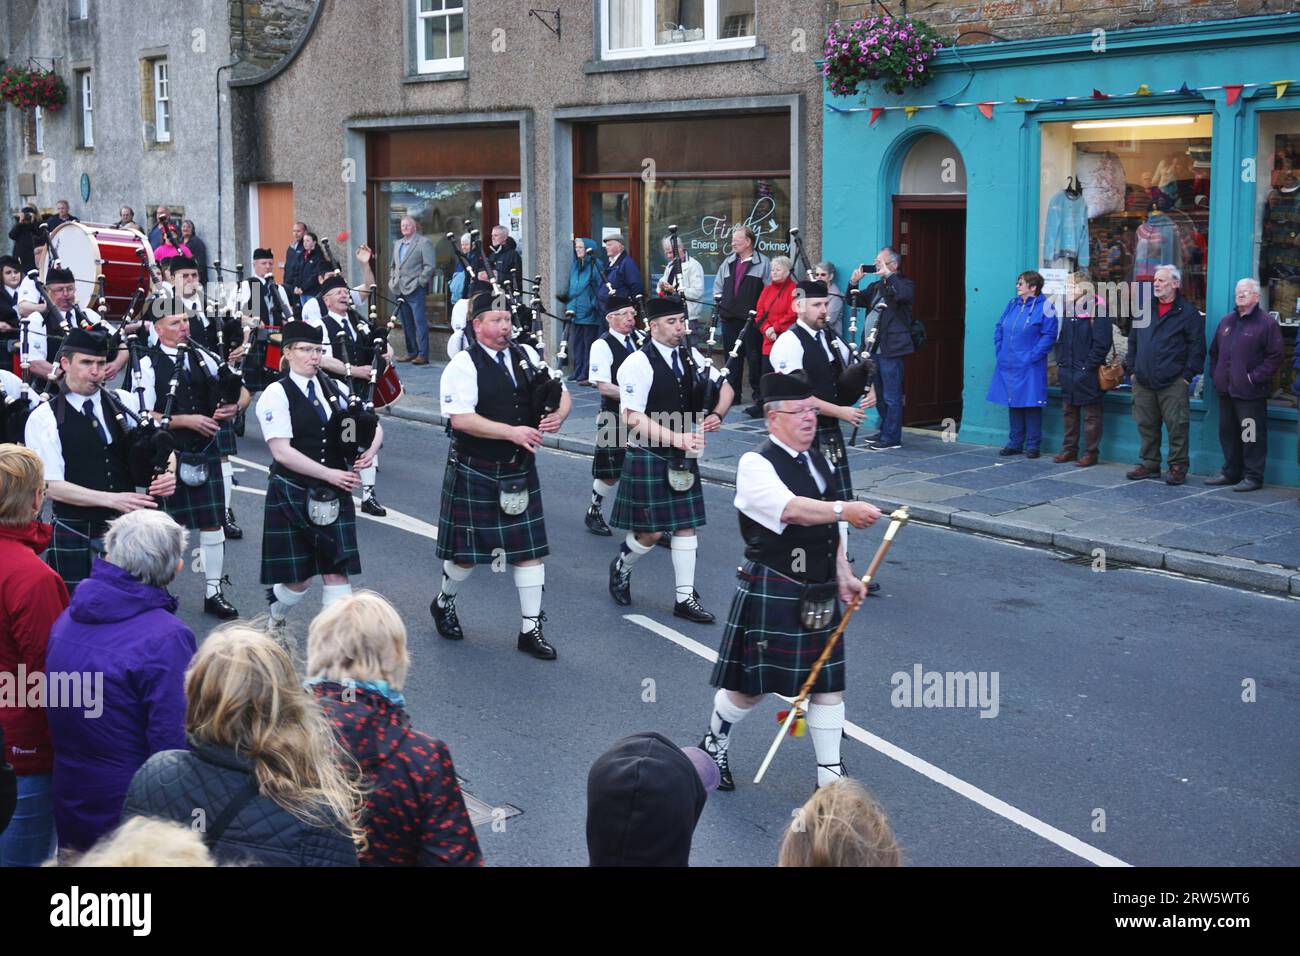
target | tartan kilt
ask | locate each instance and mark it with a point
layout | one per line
(204, 506)
(226, 438)
(765, 648)
(472, 528)
(829, 436)
(645, 502)
(294, 549)
(608, 463)
(69, 553)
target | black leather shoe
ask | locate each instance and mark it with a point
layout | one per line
(595, 522)
(692, 610)
(233, 531)
(218, 606)
(1221, 479)
(620, 583)
(445, 619)
(532, 642)
(754, 411)
(371, 506)
(1248, 484)
(1033, 453)
(873, 587)
(710, 746)
(1008, 452)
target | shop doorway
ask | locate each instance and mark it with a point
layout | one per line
(930, 235)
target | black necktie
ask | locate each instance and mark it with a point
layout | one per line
(89, 410)
(807, 463)
(505, 366)
(72, 319)
(677, 365)
(320, 409)
(630, 347)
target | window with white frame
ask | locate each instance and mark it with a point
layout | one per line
(439, 35)
(38, 130)
(81, 9)
(633, 28)
(86, 95)
(162, 105)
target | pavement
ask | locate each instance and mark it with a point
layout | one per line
(1249, 540)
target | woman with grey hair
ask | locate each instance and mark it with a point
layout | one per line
(122, 652)
(825, 272)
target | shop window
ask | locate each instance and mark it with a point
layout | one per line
(1120, 197)
(439, 35)
(1277, 232)
(634, 28)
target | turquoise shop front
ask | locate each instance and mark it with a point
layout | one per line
(1186, 140)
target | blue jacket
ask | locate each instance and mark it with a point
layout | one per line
(1165, 351)
(1085, 341)
(584, 287)
(625, 277)
(1025, 333)
(128, 632)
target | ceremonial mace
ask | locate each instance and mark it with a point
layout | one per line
(896, 521)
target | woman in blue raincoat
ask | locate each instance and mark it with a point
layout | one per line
(1025, 334)
(584, 283)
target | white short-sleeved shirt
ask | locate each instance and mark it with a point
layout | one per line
(273, 406)
(38, 344)
(787, 350)
(600, 363)
(459, 340)
(151, 387)
(42, 433)
(27, 290)
(311, 309)
(762, 495)
(636, 375)
(243, 296)
(458, 387)
(13, 387)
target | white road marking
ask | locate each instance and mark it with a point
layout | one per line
(251, 491)
(394, 519)
(971, 792)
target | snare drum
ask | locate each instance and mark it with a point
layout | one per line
(274, 352)
(89, 249)
(387, 387)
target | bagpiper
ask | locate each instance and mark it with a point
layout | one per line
(665, 402)
(795, 574)
(499, 400)
(608, 353)
(310, 524)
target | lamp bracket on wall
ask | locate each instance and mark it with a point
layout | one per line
(550, 13)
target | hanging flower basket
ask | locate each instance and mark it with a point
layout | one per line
(895, 50)
(25, 88)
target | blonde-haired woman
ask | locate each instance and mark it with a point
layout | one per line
(840, 825)
(357, 663)
(266, 780)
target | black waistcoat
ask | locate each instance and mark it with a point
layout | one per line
(87, 461)
(195, 397)
(823, 372)
(498, 400)
(618, 352)
(668, 393)
(359, 351)
(311, 436)
(810, 548)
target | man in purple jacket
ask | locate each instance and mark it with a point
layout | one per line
(1244, 356)
(120, 653)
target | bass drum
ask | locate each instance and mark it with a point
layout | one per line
(122, 256)
(262, 366)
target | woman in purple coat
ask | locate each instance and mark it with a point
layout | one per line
(1025, 334)
(121, 637)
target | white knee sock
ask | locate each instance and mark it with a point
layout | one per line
(529, 582)
(285, 599)
(212, 545)
(227, 480)
(632, 550)
(333, 592)
(599, 489)
(683, 549)
(826, 726)
(453, 576)
(725, 715)
(368, 476)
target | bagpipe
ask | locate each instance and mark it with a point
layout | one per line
(150, 445)
(230, 380)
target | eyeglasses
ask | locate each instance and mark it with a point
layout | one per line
(824, 275)
(310, 350)
(808, 412)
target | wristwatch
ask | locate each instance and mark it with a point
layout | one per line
(838, 507)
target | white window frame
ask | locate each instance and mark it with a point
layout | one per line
(38, 130)
(162, 106)
(86, 85)
(83, 10)
(423, 64)
(649, 30)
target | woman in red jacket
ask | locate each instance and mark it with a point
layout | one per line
(32, 596)
(776, 306)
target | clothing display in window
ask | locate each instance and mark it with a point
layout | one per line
(1102, 176)
(1157, 245)
(1279, 252)
(1065, 234)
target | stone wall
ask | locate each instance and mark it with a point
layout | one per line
(262, 32)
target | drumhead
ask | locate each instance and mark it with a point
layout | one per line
(89, 249)
(75, 248)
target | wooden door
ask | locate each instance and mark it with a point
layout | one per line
(275, 221)
(605, 204)
(930, 235)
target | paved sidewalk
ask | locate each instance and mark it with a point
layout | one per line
(1250, 539)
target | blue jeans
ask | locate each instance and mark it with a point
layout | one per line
(1026, 429)
(415, 325)
(889, 399)
(29, 838)
(581, 338)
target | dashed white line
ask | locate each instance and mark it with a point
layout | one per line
(968, 790)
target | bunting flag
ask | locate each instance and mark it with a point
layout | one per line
(1142, 90)
(1021, 99)
(876, 113)
(1184, 90)
(1060, 101)
(1280, 86)
(986, 109)
(910, 111)
(1233, 90)
(1099, 95)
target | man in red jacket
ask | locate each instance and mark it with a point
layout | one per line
(32, 596)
